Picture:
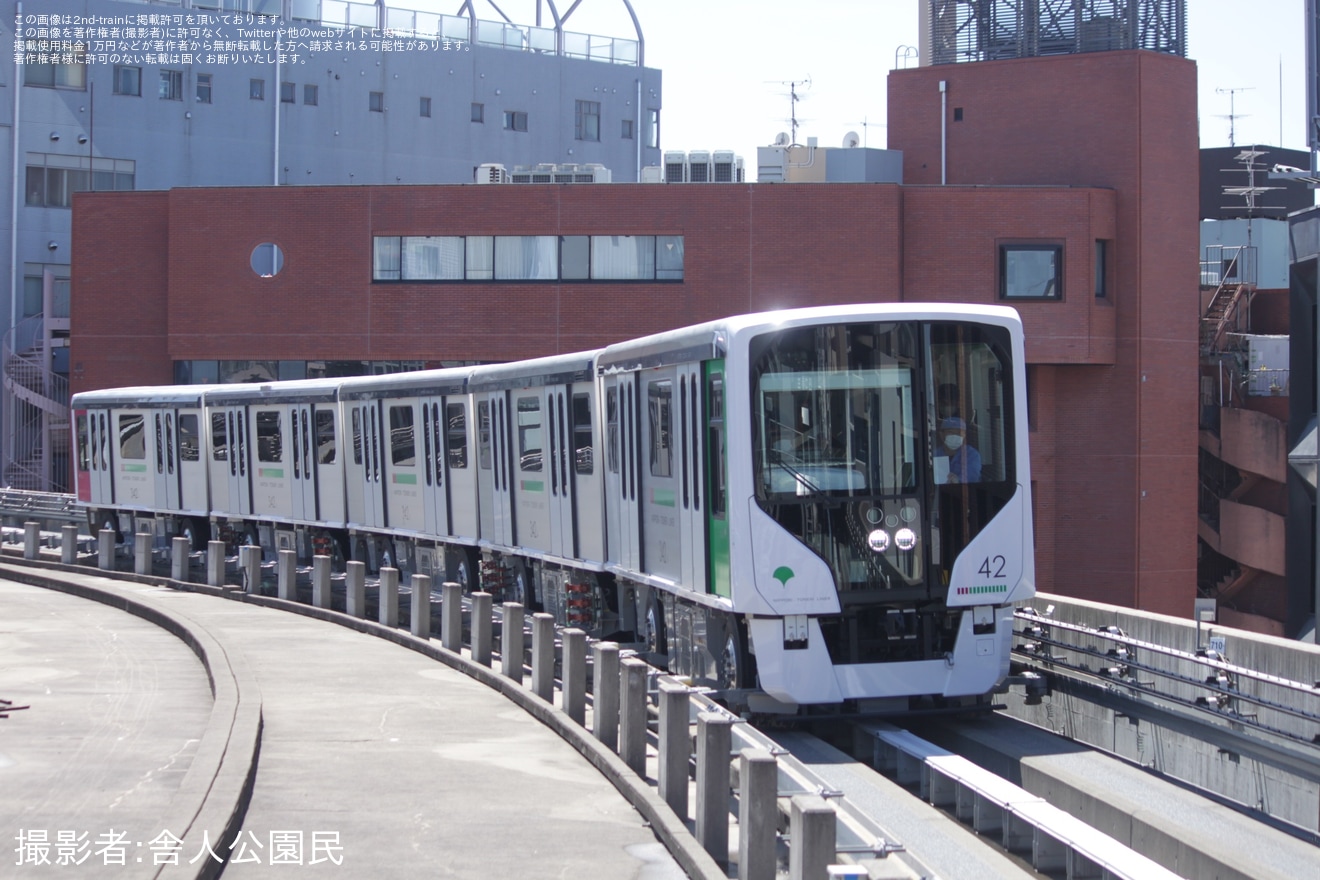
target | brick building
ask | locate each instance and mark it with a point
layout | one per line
(1071, 194)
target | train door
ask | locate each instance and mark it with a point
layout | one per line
(502, 453)
(165, 460)
(435, 490)
(402, 468)
(486, 473)
(369, 471)
(588, 514)
(716, 468)
(304, 507)
(329, 473)
(621, 484)
(99, 456)
(559, 445)
(692, 500)
(659, 469)
(192, 469)
(460, 472)
(238, 444)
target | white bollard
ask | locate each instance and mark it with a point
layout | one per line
(675, 746)
(69, 545)
(573, 696)
(543, 656)
(714, 740)
(321, 581)
(605, 693)
(249, 567)
(451, 616)
(31, 540)
(215, 563)
(481, 628)
(105, 549)
(179, 549)
(632, 714)
(286, 572)
(142, 552)
(355, 587)
(758, 814)
(388, 613)
(511, 642)
(421, 606)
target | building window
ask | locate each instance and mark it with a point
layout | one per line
(171, 85)
(70, 72)
(51, 179)
(34, 290)
(257, 89)
(1101, 268)
(478, 112)
(628, 129)
(128, 80)
(424, 107)
(203, 88)
(288, 92)
(310, 95)
(588, 121)
(527, 258)
(1031, 271)
(376, 102)
(653, 128)
(515, 120)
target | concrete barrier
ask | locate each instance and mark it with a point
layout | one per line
(811, 837)
(105, 549)
(31, 540)
(249, 567)
(675, 746)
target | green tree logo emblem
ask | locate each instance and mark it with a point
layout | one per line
(783, 574)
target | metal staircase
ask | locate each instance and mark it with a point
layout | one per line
(36, 433)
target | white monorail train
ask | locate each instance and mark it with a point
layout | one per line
(765, 501)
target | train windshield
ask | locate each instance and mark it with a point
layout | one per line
(836, 413)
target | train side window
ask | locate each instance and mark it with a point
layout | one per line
(169, 442)
(357, 436)
(612, 428)
(160, 446)
(189, 438)
(325, 436)
(582, 434)
(83, 464)
(483, 435)
(270, 442)
(696, 445)
(403, 443)
(529, 434)
(719, 474)
(428, 431)
(660, 406)
(240, 429)
(683, 436)
(105, 443)
(307, 442)
(437, 441)
(297, 455)
(456, 434)
(132, 442)
(219, 438)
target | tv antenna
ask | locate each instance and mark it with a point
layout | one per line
(793, 98)
(1232, 115)
(867, 126)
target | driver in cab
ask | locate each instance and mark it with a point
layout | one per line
(961, 459)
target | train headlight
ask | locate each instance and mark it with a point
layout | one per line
(878, 540)
(905, 538)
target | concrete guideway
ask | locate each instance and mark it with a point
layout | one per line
(417, 769)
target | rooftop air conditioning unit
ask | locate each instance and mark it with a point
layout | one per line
(699, 167)
(491, 172)
(676, 167)
(728, 167)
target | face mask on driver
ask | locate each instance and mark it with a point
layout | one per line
(952, 442)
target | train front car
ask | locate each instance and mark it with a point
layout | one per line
(887, 522)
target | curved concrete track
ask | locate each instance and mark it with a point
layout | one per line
(320, 743)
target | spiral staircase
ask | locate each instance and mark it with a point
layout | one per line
(36, 437)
